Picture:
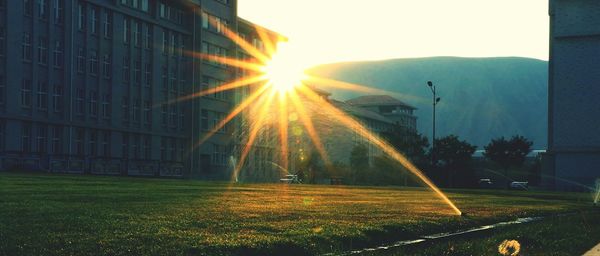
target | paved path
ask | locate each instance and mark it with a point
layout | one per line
(594, 251)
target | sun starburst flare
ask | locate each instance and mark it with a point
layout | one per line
(279, 85)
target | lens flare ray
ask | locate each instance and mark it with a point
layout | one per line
(227, 61)
(254, 129)
(388, 149)
(282, 77)
(310, 128)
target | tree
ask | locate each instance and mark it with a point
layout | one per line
(508, 153)
(454, 157)
(412, 144)
(359, 161)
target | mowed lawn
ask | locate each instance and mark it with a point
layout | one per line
(91, 215)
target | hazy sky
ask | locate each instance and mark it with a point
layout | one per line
(340, 30)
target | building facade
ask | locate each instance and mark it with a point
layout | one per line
(573, 158)
(93, 86)
(338, 140)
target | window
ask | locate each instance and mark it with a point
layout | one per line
(94, 18)
(59, 7)
(80, 60)
(148, 74)
(126, 72)
(147, 112)
(106, 70)
(135, 146)
(42, 138)
(144, 5)
(2, 40)
(57, 95)
(43, 9)
(2, 89)
(79, 139)
(107, 24)
(58, 54)
(106, 110)
(81, 16)
(79, 101)
(164, 113)
(43, 51)
(28, 7)
(173, 116)
(219, 155)
(137, 33)
(165, 41)
(173, 80)
(106, 143)
(165, 79)
(93, 62)
(163, 149)
(204, 120)
(26, 93)
(173, 149)
(204, 20)
(147, 147)
(137, 72)
(162, 10)
(136, 110)
(26, 47)
(173, 45)
(57, 137)
(42, 95)
(125, 145)
(148, 33)
(126, 31)
(93, 103)
(26, 137)
(125, 108)
(93, 143)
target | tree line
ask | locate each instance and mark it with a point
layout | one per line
(449, 163)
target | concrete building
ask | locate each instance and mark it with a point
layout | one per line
(392, 109)
(573, 158)
(339, 140)
(87, 86)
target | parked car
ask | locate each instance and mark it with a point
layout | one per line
(485, 183)
(290, 179)
(519, 185)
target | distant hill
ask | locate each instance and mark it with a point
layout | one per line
(482, 98)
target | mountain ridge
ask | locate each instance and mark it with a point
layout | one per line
(482, 98)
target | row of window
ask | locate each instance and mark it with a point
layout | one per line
(169, 12)
(137, 4)
(46, 139)
(2, 41)
(214, 23)
(43, 11)
(217, 117)
(168, 116)
(42, 51)
(41, 95)
(42, 138)
(214, 50)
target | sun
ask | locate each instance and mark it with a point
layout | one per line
(284, 70)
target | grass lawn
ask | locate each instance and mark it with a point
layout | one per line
(89, 215)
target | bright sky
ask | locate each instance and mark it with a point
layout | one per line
(325, 31)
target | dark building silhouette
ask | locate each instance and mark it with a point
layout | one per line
(85, 86)
(573, 158)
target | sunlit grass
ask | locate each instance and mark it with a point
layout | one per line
(62, 215)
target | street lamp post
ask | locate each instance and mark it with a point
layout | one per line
(436, 100)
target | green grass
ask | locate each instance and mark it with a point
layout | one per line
(87, 215)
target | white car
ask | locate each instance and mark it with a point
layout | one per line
(523, 185)
(290, 179)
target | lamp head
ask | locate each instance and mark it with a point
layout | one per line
(438, 99)
(429, 83)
